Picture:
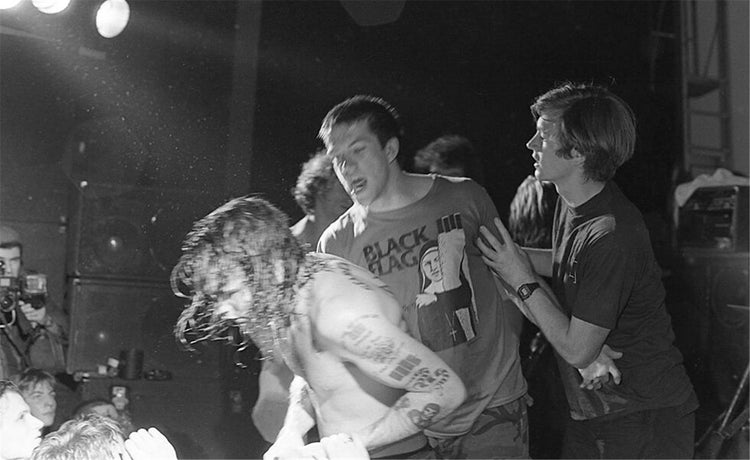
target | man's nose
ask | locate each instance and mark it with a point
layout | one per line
(35, 422)
(532, 143)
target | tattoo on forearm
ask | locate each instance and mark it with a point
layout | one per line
(404, 367)
(424, 418)
(423, 378)
(402, 403)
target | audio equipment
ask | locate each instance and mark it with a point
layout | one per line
(715, 218)
(130, 232)
(108, 317)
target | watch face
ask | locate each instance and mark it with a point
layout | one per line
(525, 290)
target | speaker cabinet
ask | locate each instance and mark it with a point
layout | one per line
(130, 232)
(716, 285)
(107, 317)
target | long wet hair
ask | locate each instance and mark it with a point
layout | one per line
(249, 234)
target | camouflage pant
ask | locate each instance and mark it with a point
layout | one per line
(499, 432)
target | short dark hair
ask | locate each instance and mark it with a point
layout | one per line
(531, 213)
(317, 176)
(593, 121)
(450, 151)
(31, 377)
(249, 233)
(382, 117)
(90, 437)
(86, 407)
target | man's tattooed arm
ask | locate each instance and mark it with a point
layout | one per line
(389, 355)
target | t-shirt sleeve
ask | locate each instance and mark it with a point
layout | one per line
(486, 209)
(605, 279)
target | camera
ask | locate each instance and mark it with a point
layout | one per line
(30, 288)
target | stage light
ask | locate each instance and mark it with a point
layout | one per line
(50, 6)
(112, 17)
(7, 4)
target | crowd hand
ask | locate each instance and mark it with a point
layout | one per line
(340, 446)
(505, 258)
(32, 314)
(149, 445)
(286, 447)
(597, 373)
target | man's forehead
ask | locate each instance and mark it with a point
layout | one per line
(547, 122)
(10, 253)
(12, 403)
(42, 386)
(347, 133)
(217, 277)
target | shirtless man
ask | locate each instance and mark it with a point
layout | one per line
(336, 326)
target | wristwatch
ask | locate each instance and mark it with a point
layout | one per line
(524, 291)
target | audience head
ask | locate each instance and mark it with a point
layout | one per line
(531, 214)
(99, 406)
(11, 251)
(20, 432)
(38, 389)
(90, 437)
(450, 155)
(240, 265)
(319, 188)
(381, 117)
(592, 121)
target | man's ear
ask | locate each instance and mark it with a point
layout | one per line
(391, 149)
(577, 156)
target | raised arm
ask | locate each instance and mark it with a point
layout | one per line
(365, 338)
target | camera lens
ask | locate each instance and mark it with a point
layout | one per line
(7, 302)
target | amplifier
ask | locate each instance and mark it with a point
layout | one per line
(715, 218)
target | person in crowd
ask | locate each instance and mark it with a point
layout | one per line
(20, 432)
(416, 233)
(38, 390)
(336, 326)
(320, 195)
(103, 407)
(608, 283)
(450, 155)
(530, 225)
(97, 437)
(531, 213)
(32, 333)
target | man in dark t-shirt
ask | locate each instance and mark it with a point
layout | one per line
(604, 273)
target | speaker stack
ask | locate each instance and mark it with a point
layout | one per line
(713, 242)
(123, 241)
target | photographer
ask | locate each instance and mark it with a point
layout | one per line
(32, 331)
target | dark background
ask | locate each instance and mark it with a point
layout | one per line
(198, 101)
(157, 107)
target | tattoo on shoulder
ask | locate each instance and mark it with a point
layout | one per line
(362, 340)
(347, 269)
